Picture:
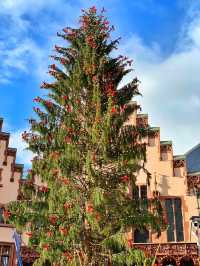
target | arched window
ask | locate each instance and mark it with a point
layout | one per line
(141, 236)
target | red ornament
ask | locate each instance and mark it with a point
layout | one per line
(67, 206)
(93, 9)
(66, 181)
(49, 104)
(49, 233)
(24, 135)
(53, 66)
(97, 216)
(64, 231)
(68, 108)
(44, 189)
(94, 78)
(53, 219)
(113, 110)
(124, 178)
(6, 214)
(65, 97)
(37, 99)
(90, 208)
(29, 234)
(43, 85)
(45, 247)
(68, 139)
(63, 61)
(68, 256)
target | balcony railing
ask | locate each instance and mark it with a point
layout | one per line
(168, 249)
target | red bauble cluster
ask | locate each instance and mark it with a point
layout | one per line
(124, 178)
(68, 256)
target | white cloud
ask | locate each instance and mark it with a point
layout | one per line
(171, 85)
(24, 156)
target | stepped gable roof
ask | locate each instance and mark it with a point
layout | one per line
(193, 159)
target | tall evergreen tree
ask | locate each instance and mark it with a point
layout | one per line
(87, 157)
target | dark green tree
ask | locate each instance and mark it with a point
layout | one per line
(86, 156)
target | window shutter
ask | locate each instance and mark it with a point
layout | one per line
(1, 216)
(178, 219)
(143, 194)
(136, 195)
(170, 219)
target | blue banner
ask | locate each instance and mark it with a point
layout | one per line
(18, 242)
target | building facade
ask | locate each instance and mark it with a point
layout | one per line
(175, 180)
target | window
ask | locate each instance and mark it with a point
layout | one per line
(141, 236)
(140, 196)
(5, 255)
(175, 220)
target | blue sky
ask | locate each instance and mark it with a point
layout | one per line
(161, 36)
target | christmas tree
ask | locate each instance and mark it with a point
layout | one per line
(86, 156)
